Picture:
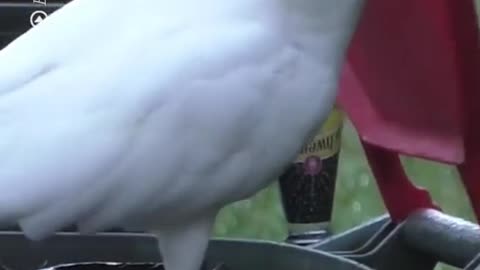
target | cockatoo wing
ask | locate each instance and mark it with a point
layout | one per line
(95, 129)
(46, 45)
(73, 30)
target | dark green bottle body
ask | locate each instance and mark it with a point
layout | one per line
(307, 187)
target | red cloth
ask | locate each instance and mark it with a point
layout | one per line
(411, 86)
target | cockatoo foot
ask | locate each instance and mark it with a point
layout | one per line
(189, 239)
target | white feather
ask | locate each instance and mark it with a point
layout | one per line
(158, 114)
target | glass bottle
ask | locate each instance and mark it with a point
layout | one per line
(307, 186)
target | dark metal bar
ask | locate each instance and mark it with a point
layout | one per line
(450, 239)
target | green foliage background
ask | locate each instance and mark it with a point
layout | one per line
(357, 199)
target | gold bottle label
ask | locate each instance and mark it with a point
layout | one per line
(327, 141)
(307, 187)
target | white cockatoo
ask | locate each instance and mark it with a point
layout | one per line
(155, 114)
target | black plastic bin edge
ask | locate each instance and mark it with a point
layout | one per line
(19, 253)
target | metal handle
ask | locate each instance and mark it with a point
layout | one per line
(450, 239)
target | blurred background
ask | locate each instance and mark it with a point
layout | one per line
(356, 200)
